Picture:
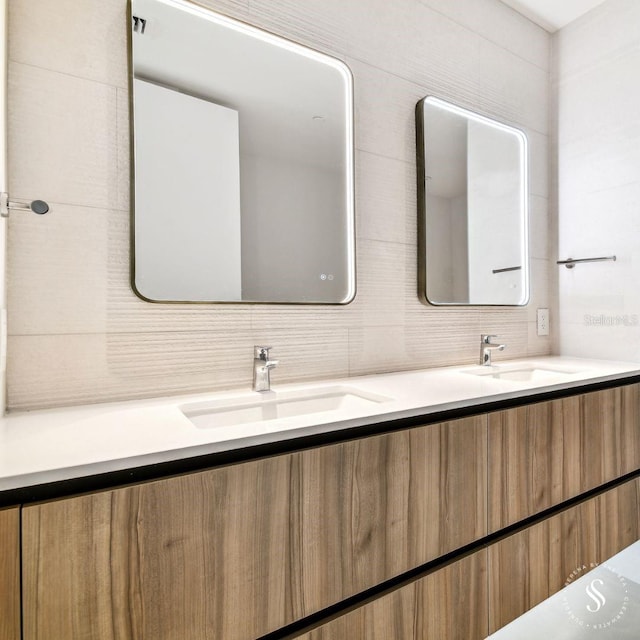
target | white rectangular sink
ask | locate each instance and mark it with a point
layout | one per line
(524, 373)
(273, 405)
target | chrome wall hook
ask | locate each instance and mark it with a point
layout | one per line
(35, 206)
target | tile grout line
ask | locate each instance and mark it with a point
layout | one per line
(477, 33)
(67, 74)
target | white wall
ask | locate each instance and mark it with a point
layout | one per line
(596, 80)
(77, 333)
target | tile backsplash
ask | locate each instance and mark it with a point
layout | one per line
(78, 334)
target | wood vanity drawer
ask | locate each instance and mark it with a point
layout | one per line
(449, 604)
(239, 551)
(529, 566)
(480, 593)
(542, 454)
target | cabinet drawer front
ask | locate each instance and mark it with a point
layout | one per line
(484, 591)
(449, 604)
(542, 454)
(535, 563)
(240, 551)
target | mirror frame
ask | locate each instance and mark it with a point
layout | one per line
(422, 200)
(349, 145)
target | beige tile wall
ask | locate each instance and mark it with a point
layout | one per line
(78, 334)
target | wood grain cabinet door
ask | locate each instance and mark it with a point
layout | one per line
(544, 453)
(10, 574)
(236, 552)
(535, 563)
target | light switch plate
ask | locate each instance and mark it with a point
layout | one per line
(543, 322)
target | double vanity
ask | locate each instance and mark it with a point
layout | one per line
(438, 503)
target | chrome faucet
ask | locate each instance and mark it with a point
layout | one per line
(486, 347)
(261, 368)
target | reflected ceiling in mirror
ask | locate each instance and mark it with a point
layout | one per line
(473, 213)
(243, 162)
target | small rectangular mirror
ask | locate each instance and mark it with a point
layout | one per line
(472, 208)
(243, 162)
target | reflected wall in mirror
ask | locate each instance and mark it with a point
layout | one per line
(473, 213)
(243, 162)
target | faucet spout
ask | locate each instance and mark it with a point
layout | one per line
(487, 347)
(262, 366)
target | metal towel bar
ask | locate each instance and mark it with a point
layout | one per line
(506, 269)
(572, 262)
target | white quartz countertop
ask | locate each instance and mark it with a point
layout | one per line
(39, 447)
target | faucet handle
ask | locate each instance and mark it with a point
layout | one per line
(262, 353)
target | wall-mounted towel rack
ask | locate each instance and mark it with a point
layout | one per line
(36, 206)
(572, 262)
(505, 269)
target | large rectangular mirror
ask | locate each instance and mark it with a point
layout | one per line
(243, 162)
(472, 208)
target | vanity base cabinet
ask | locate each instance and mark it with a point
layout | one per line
(239, 551)
(10, 574)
